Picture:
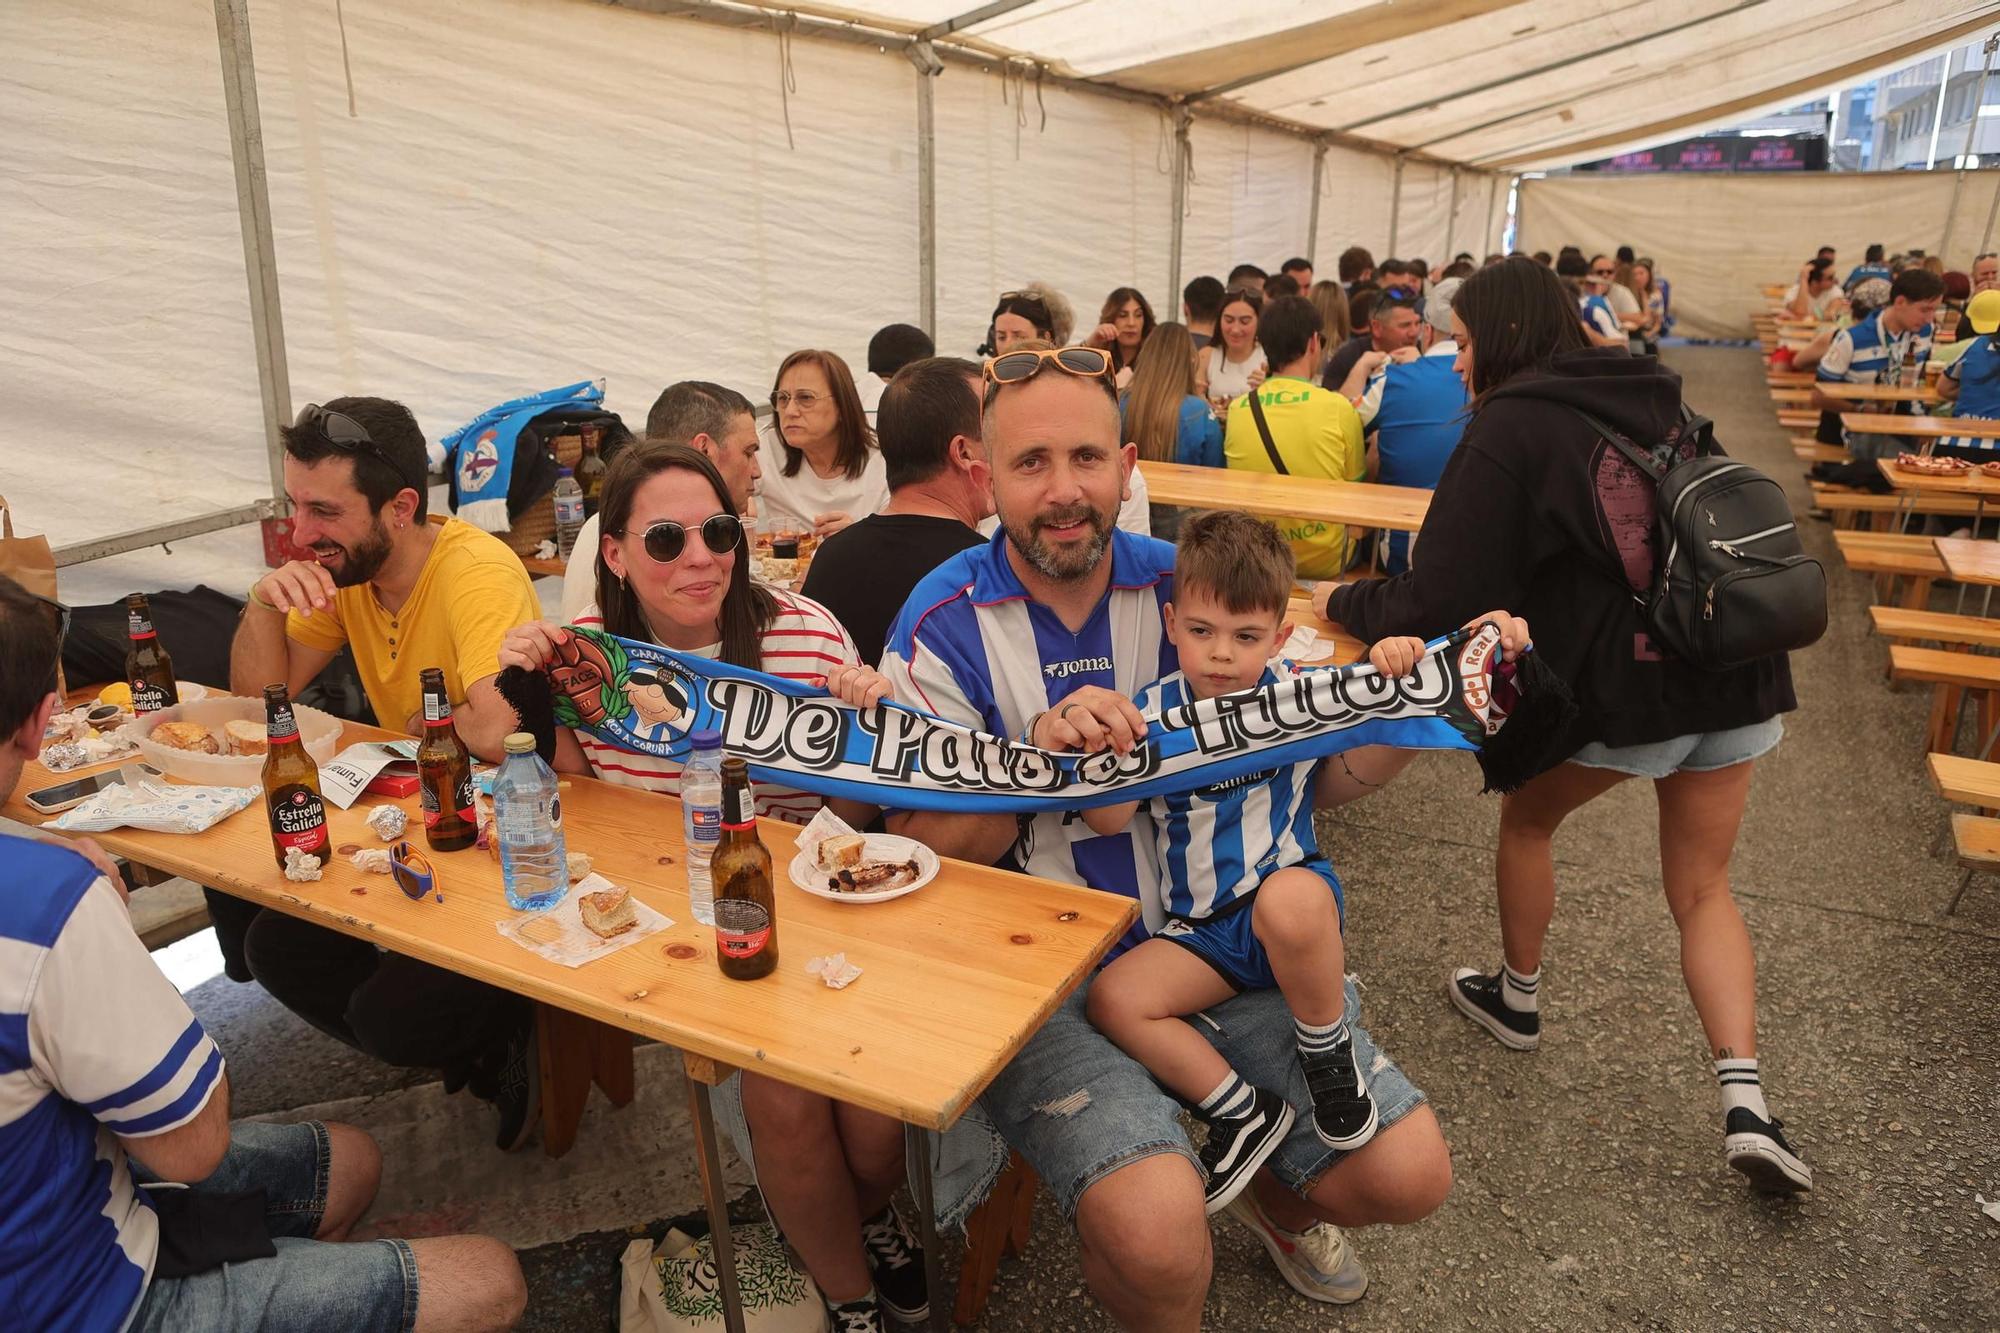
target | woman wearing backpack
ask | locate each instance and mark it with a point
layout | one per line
(1538, 513)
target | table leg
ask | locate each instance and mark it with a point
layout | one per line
(716, 1199)
(564, 1052)
(917, 1151)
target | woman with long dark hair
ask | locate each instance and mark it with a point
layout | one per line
(1123, 326)
(1233, 364)
(827, 471)
(1537, 513)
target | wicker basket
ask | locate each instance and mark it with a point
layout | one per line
(537, 524)
(568, 450)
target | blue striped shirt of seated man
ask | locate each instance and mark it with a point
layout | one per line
(1250, 903)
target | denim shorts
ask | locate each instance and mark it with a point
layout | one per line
(1696, 752)
(365, 1286)
(1078, 1108)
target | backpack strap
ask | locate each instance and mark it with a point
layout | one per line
(1264, 433)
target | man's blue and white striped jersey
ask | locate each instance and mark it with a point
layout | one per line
(1216, 845)
(94, 1043)
(1869, 354)
(972, 647)
(1598, 314)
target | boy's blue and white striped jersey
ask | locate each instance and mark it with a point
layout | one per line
(1869, 354)
(1216, 845)
(974, 648)
(95, 1043)
(1977, 371)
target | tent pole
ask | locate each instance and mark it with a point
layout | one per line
(1986, 239)
(1488, 243)
(1396, 205)
(1450, 222)
(1312, 221)
(1183, 122)
(1971, 131)
(928, 68)
(253, 206)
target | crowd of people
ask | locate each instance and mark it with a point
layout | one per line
(986, 553)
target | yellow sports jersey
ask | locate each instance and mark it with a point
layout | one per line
(471, 592)
(1318, 434)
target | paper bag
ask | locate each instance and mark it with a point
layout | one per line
(26, 560)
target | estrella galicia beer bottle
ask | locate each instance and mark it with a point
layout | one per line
(746, 912)
(291, 783)
(148, 669)
(444, 772)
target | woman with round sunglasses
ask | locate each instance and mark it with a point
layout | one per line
(673, 569)
(827, 472)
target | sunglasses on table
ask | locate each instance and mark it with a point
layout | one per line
(666, 542)
(344, 433)
(413, 874)
(1020, 367)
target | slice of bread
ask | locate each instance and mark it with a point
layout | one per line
(245, 736)
(842, 851)
(186, 736)
(608, 913)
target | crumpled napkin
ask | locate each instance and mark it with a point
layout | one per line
(834, 970)
(163, 807)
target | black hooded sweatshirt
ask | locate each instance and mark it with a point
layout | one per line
(1538, 516)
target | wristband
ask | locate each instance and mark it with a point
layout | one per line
(255, 600)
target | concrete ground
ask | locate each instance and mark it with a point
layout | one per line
(1590, 1188)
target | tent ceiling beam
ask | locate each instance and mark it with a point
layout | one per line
(1556, 149)
(1595, 53)
(970, 17)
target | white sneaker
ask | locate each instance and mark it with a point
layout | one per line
(1318, 1263)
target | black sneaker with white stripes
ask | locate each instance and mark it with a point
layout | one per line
(1344, 1115)
(854, 1317)
(1237, 1147)
(1477, 996)
(896, 1261)
(1757, 1149)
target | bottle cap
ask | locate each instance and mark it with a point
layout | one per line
(519, 742)
(562, 472)
(706, 739)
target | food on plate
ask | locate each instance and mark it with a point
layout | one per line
(104, 717)
(118, 694)
(843, 851)
(1932, 465)
(244, 736)
(608, 913)
(874, 877)
(186, 736)
(1990, 469)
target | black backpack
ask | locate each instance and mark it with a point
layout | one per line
(1731, 583)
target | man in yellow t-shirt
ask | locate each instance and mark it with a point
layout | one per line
(405, 594)
(1316, 431)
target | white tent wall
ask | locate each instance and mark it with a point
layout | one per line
(1717, 238)
(1353, 206)
(1421, 221)
(1249, 200)
(1085, 204)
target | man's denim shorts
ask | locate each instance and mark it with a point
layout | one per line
(362, 1287)
(1696, 752)
(1078, 1108)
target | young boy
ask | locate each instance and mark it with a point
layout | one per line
(1251, 902)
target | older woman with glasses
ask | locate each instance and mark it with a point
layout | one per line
(827, 471)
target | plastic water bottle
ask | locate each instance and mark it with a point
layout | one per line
(701, 819)
(527, 816)
(569, 512)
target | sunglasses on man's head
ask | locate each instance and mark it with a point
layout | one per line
(1020, 367)
(666, 542)
(58, 618)
(344, 433)
(413, 874)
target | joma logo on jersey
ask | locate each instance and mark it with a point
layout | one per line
(1062, 670)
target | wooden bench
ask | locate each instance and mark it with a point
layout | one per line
(1890, 556)
(996, 1229)
(1904, 624)
(1882, 510)
(1796, 420)
(1976, 839)
(1808, 450)
(1955, 676)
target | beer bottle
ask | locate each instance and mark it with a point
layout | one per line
(746, 913)
(148, 669)
(444, 772)
(291, 783)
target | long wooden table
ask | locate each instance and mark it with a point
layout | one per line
(1889, 423)
(1973, 482)
(1360, 503)
(957, 976)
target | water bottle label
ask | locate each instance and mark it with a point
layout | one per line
(742, 927)
(704, 824)
(569, 510)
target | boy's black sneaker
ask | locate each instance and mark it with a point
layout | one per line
(1344, 1114)
(1236, 1148)
(1757, 1149)
(896, 1261)
(854, 1317)
(1477, 996)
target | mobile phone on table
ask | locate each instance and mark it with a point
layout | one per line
(69, 795)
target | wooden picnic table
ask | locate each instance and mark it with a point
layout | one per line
(1360, 503)
(1884, 393)
(1973, 482)
(1889, 423)
(958, 975)
(1971, 559)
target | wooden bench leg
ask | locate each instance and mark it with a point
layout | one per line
(1916, 594)
(997, 1227)
(1942, 728)
(575, 1052)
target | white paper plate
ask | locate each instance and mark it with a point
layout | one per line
(880, 847)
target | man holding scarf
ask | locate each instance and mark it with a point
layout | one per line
(1046, 633)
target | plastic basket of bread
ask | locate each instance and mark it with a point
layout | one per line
(221, 741)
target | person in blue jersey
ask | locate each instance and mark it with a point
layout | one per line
(1872, 266)
(1250, 902)
(1415, 408)
(129, 1202)
(1889, 347)
(1972, 382)
(1049, 631)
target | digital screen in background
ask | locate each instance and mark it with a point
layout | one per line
(1726, 153)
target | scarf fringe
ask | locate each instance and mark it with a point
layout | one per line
(533, 701)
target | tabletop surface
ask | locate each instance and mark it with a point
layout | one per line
(1367, 504)
(1973, 482)
(956, 976)
(1970, 560)
(1888, 423)
(1884, 393)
